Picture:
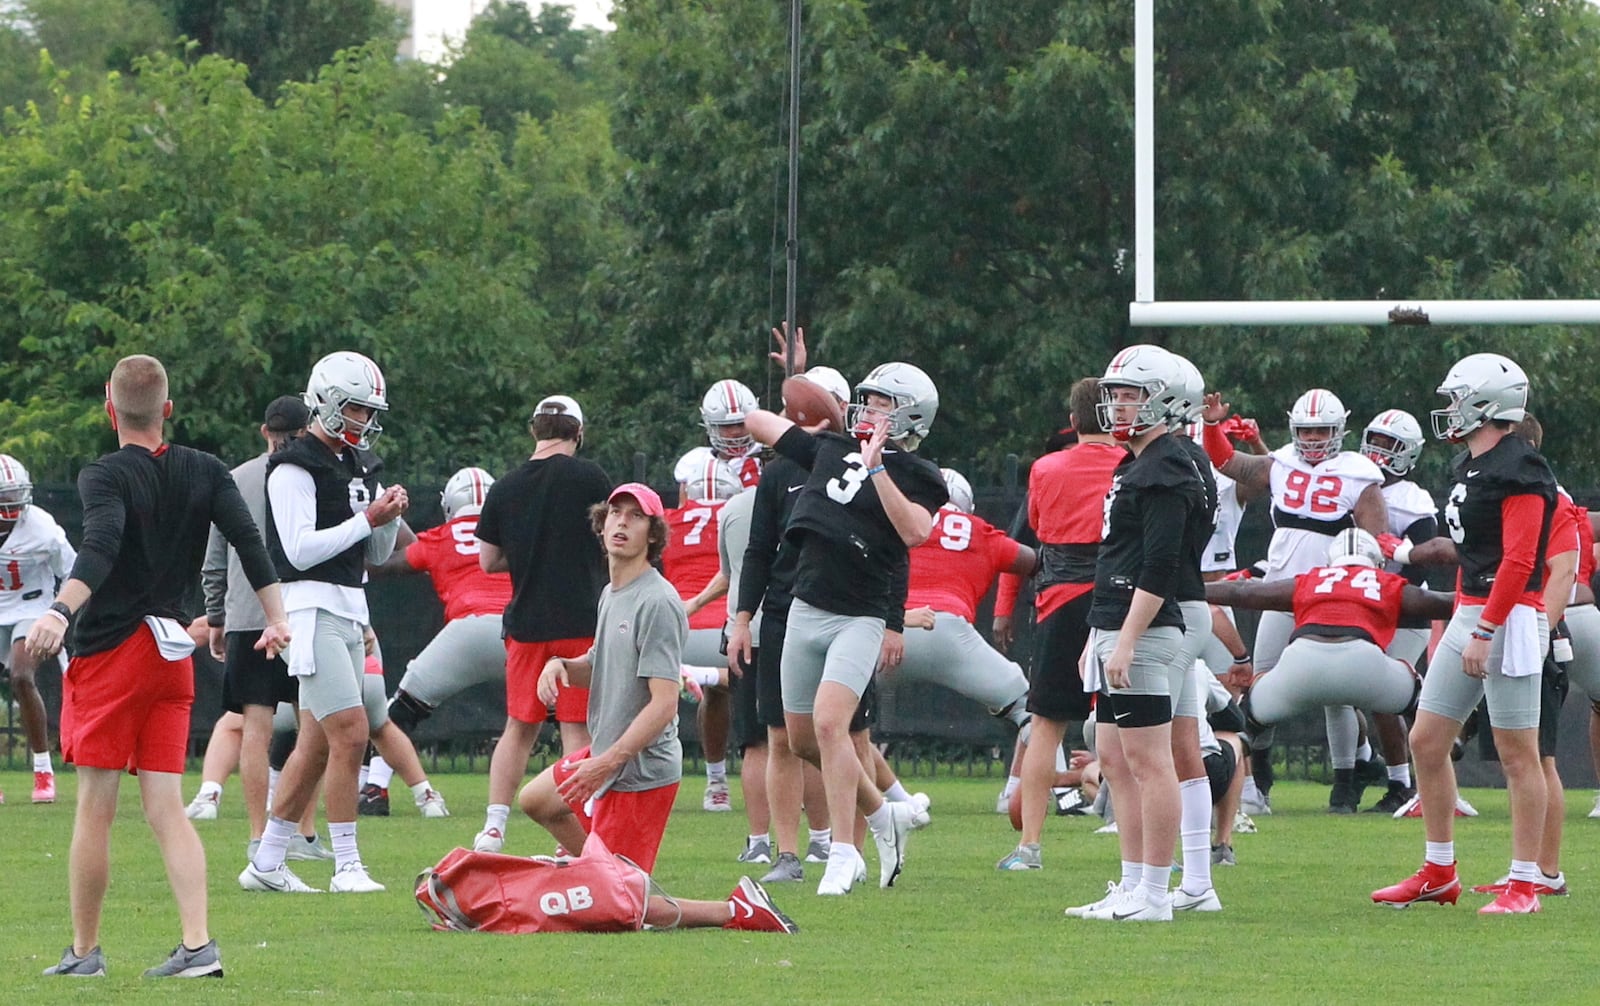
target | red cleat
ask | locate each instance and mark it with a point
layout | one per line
(751, 909)
(1431, 883)
(44, 787)
(1517, 899)
(1544, 887)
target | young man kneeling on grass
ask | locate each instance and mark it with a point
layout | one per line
(622, 786)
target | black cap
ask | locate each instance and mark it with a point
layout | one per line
(287, 414)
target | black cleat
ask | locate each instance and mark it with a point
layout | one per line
(1393, 800)
(373, 802)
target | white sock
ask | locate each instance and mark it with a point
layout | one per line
(1061, 760)
(1012, 782)
(41, 763)
(1401, 774)
(1440, 853)
(754, 840)
(379, 773)
(897, 793)
(881, 820)
(1132, 873)
(208, 788)
(1250, 792)
(274, 844)
(717, 771)
(343, 836)
(1522, 869)
(361, 778)
(824, 835)
(419, 792)
(1364, 751)
(842, 859)
(272, 786)
(1195, 830)
(497, 816)
(1155, 880)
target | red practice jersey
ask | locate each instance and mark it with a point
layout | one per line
(1349, 597)
(691, 561)
(955, 567)
(449, 555)
(1585, 546)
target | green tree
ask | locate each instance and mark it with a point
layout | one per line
(281, 40)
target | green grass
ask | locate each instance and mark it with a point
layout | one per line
(1297, 927)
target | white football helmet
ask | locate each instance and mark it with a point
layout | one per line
(1318, 409)
(1155, 371)
(463, 495)
(1354, 547)
(916, 402)
(341, 379)
(727, 403)
(16, 489)
(1482, 388)
(1189, 397)
(959, 488)
(707, 477)
(1401, 427)
(830, 379)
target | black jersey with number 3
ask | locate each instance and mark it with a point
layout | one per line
(850, 551)
(1473, 513)
(1201, 526)
(1147, 510)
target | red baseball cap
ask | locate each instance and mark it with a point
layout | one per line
(642, 494)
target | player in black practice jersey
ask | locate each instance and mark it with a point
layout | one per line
(868, 500)
(1498, 515)
(1139, 625)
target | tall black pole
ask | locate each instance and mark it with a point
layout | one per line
(791, 245)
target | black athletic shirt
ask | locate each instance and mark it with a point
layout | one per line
(146, 518)
(1473, 514)
(766, 576)
(341, 482)
(538, 515)
(1202, 524)
(1147, 510)
(851, 559)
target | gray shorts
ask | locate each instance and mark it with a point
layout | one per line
(1408, 645)
(1448, 692)
(954, 655)
(1272, 635)
(341, 660)
(1312, 674)
(821, 646)
(1155, 669)
(703, 648)
(1218, 660)
(1186, 701)
(1583, 622)
(467, 651)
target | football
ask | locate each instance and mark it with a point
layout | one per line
(809, 404)
(1015, 808)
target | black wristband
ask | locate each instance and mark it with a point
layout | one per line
(1246, 659)
(61, 609)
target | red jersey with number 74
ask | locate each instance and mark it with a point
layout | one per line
(1337, 599)
(449, 555)
(955, 567)
(690, 561)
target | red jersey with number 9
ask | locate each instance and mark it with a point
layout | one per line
(449, 555)
(1349, 597)
(690, 561)
(955, 567)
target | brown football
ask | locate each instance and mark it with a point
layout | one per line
(809, 404)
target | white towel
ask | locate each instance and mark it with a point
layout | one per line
(1523, 655)
(1093, 673)
(172, 639)
(301, 656)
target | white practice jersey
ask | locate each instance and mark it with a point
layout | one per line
(1219, 550)
(727, 477)
(1407, 503)
(32, 559)
(1305, 496)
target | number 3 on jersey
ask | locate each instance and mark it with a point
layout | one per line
(1452, 513)
(844, 488)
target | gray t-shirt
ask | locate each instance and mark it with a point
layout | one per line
(733, 534)
(230, 601)
(639, 634)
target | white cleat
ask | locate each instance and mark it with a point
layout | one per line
(1183, 901)
(279, 881)
(1463, 808)
(1002, 803)
(892, 844)
(717, 799)
(352, 878)
(922, 800)
(432, 804)
(1596, 811)
(1134, 907)
(1242, 824)
(489, 840)
(840, 876)
(203, 808)
(1113, 892)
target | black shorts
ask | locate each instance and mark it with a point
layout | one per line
(748, 730)
(249, 678)
(1055, 688)
(1552, 695)
(1220, 767)
(867, 709)
(769, 669)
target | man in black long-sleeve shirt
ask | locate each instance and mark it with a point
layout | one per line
(147, 511)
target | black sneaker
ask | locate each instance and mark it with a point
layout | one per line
(373, 802)
(1393, 800)
(90, 965)
(1343, 799)
(186, 963)
(1372, 772)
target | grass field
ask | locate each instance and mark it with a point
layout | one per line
(1297, 925)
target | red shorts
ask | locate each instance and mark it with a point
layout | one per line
(126, 708)
(630, 824)
(524, 661)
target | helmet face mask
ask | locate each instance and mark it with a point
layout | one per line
(959, 488)
(465, 492)
(723, 410)
(16, 490)
(1482, 388)
(1158, 379)
(1393, 441)
(908, 400)
(1320, 414)
(339, 381)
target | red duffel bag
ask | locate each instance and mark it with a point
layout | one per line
(597, 892)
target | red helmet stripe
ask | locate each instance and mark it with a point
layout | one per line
(731, 395)
(375, 378)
